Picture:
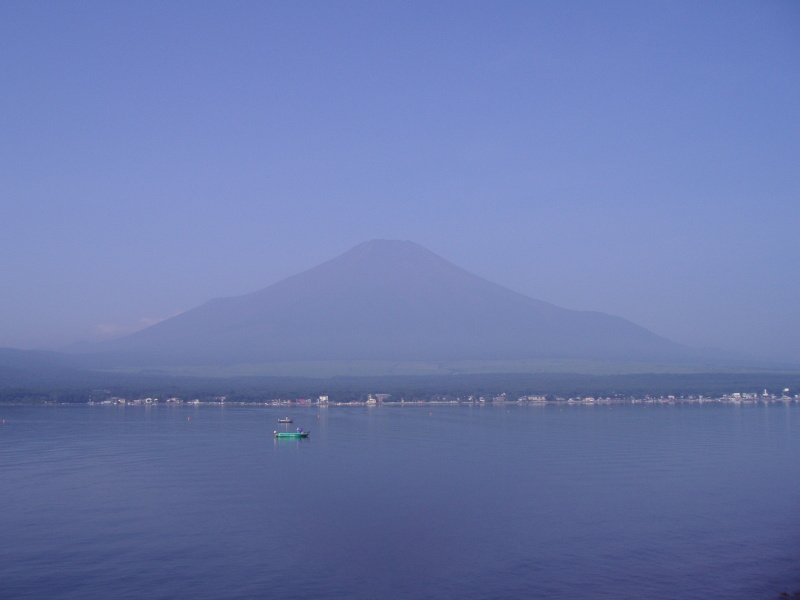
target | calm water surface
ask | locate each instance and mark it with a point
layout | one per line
(518, 502)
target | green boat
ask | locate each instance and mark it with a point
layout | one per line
(292, 434)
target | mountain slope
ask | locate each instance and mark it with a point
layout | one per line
(387, 300)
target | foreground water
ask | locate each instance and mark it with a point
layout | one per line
(517, 502)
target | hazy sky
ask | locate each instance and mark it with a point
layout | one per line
(636, 158)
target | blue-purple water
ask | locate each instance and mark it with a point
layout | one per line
(516, 502)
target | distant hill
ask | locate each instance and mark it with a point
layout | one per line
(34, 361)
(386, 300)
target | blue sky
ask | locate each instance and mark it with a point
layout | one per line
(636, 158)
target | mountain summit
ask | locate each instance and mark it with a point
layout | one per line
(388, 300)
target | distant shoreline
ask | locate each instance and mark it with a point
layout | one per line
(735, 399)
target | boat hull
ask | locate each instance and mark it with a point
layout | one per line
(289, 434)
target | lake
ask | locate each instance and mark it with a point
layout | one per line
(414, 502)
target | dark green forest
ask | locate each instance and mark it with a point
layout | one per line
(70, 386)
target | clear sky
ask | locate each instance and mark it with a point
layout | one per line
(636, 158)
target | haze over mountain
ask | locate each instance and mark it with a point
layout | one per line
(386, 300)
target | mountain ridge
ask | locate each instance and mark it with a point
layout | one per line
(388, 300)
